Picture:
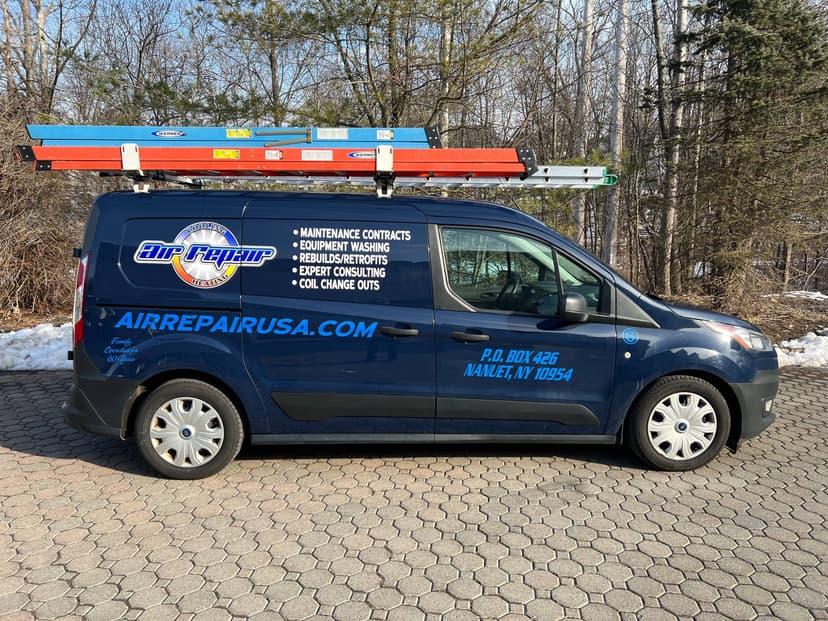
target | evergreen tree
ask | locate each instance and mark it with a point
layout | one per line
(763, 162)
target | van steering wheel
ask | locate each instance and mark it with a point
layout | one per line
(512, 286)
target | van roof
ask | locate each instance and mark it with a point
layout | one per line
(431, 207)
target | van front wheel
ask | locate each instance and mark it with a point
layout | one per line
(188, 429)
(680, 423)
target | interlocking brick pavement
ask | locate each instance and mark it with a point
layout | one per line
(87, 532)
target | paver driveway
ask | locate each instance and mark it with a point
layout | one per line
(411, 533)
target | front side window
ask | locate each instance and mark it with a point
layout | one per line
(493, 270)
(575, 279)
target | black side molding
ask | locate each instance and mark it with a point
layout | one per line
(314, 406)
(427, 438)
(540, 411)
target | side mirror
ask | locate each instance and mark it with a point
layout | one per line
(575, 308)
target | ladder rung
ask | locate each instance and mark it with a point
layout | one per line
(420, 182)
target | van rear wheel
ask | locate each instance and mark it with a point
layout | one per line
(188, 429)
(680, 423)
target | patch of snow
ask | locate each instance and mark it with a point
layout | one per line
(42, 347)
(808, 295)
(810, 350)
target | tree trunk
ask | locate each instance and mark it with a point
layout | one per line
(787, 251)
(690, 269)
(43, 57)
(616, 133)
(276, 108)
(556, 57)
(391, 36)
(581, 134)
(446, 42)
(7, 48)
(670, 133)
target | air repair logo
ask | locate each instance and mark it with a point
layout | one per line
(204, 254)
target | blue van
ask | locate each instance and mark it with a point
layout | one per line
(204, 319)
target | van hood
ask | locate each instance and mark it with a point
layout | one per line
(695, 312)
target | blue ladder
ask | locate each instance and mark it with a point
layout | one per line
(320, 137)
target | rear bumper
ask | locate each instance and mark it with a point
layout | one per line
(96, 403)
(78, 412)
(755, 402)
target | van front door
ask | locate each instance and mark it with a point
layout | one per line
(507, 361)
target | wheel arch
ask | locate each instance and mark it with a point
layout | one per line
(150, 384)
(718, 383)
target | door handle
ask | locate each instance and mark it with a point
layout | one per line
(469, 337)
(394, 331)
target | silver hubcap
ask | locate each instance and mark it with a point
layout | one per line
(682, 426)
(187, 432)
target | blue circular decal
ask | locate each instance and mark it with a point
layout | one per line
(630, 336)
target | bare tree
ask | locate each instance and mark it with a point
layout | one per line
(40, 38)
(670, 114)
(581, 132)
(617, 130)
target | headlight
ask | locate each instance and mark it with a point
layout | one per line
(749, 339)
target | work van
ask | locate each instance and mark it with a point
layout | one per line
(204, 319)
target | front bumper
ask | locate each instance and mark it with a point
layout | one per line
(755, 403)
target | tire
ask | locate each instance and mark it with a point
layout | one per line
(680, 423)
(188, 429)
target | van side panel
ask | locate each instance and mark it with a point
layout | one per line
(136, 250)
(146, 315)
(348, 346)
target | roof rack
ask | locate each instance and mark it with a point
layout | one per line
(382, 165)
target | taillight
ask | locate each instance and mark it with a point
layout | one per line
(77, 311)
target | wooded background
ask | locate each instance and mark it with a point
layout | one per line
(714, 114)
